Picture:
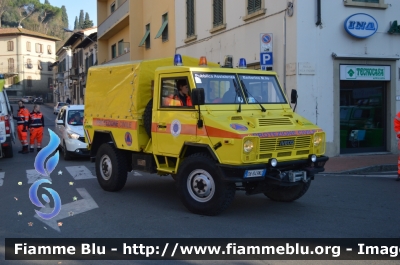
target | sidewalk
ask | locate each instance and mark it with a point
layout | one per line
(351, 162)
(347, 163)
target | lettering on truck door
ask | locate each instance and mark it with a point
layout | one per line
(176, 119)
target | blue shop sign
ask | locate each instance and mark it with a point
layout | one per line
(361, 25)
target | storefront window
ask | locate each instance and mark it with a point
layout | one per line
(362, 117)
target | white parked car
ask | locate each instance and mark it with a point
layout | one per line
(69, 127)
(58, 106)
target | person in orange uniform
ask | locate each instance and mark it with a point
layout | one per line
(397, 130)
(36, 124)
(183, 98)
(22, 127)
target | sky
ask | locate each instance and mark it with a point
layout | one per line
(74, 8)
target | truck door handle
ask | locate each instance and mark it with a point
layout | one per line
(162, 126)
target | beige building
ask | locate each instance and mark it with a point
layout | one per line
(76, 55)
(135, 29)
(25, 60)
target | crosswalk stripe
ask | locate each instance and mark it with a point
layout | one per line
(1, 178)
(80, 172)
(32, 175)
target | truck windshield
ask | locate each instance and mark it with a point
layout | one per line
(219, 88)
(262, 89)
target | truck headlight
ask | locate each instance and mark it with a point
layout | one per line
(73, 135)
(317, 140)
(248, 146)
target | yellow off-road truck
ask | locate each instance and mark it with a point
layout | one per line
(235, 130)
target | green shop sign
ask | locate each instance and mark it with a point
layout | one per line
(364, 72)
(394, 28)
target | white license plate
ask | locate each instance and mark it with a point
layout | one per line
(254, 173)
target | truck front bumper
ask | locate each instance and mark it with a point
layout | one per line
(283, 172)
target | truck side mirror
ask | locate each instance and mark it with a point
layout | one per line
(293, 96)
(198, 96)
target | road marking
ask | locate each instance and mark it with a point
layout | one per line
(33, 176)
(77, 207)
(1, 178)
(80, 172)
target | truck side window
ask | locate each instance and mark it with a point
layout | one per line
(170, 94)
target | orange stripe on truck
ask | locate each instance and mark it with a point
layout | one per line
(120, 124)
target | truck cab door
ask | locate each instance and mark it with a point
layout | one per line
(173, 124)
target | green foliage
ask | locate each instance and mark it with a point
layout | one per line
(81, 19)
(87, 23)
(76, 24)
(36, 16)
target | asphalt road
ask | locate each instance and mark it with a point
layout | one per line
(148, 207)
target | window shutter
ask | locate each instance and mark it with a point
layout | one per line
(190, 18)
(257, 5)
(218, 12)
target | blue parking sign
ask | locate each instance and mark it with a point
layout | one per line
(266, 59)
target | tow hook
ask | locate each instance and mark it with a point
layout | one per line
(294, 176)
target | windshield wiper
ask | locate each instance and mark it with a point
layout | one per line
(248, 93)
(236, 96)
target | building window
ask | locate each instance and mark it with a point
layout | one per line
(164, 28)
(49, 83)
(190, 18)
(253, 6)
(120, 47)
(113, 51)
(112, 7)
(11, 65)
(49, 68)
(40, 65)
(29, 63)
(39, 48)
(218, 13)
(366, 3)
(28, 46)
(146, 38)
(49, 49)
(29, 81)
(10, 45)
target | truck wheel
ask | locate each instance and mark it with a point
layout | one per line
(111, 168)
(201, 188)
(288, 194)
(8, 151)
(147, 117)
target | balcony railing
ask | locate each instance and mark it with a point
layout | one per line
(60, 77)
(74, 73)
(121, 11)
(123, 47)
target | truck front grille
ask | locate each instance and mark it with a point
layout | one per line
(268, 145)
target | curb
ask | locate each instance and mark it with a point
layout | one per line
(370, 169)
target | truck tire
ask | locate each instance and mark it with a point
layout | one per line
(213, 196)
(111, 168)
(147, 117)
(8, 151)
(288, 194)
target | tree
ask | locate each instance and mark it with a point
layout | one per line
(26, 8)
(76, 24)
(4, 5)
(87, 23)
(64, 17)
(81, 19)
(47, 2)
(46, 13)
